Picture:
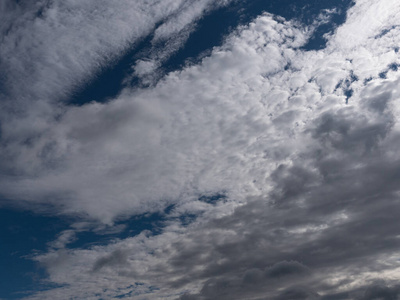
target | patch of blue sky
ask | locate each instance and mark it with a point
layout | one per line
(22, 234)
(213, 27)
(25, 233)
(210, 32)
(153, 223)
(213, 199)
(345, 85)
(385, 31)
(134, 292)
(108, 82)
(392, 67)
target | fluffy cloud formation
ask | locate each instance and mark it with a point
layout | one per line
(223, 125)
(49, 49)
(147, 147)
(303, 145)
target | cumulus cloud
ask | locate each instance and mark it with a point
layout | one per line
(146, 146)
(309, 171)
(51, 49)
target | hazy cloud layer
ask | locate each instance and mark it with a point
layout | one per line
(303, 144)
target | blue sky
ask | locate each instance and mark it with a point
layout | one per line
(199, 149)
(210, 31)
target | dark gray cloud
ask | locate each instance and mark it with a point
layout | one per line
(285, 268)
(298, 293)
(381, 292)
(334, 214)
(116, 258)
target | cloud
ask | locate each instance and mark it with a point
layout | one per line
(285, 268)
(381, 291)
(50, 50)
(146, 149)
(64, 238)
(311, 207)
(118, 257)
(146, 146)
(298, 293)
(169, 37)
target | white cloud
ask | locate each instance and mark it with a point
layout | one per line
(221, 125)
(64, 238)
(49, 50)
(171, 36)
(259, 119)
(146, 146)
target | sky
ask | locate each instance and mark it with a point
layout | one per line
(200, 149)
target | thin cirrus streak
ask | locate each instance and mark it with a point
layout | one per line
(302, 143)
